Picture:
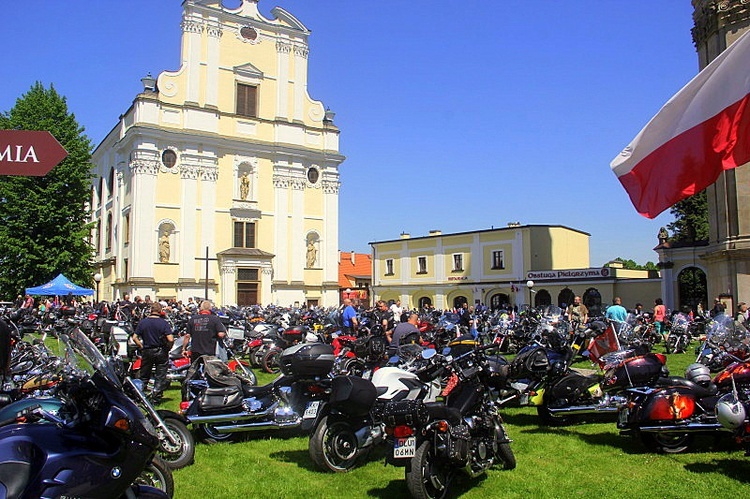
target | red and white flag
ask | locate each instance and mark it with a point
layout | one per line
(703, 130)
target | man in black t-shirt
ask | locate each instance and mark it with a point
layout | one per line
(203, 332)
(154, 337)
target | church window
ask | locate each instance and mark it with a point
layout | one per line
(247, 100)
(244, 234)
(169, 158)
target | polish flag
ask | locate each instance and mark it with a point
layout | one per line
(701, 131)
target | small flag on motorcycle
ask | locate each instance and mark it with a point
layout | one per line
(603, 344)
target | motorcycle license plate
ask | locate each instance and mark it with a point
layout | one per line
(311, 410)
(405, 447)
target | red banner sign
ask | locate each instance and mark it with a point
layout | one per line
(30, 153)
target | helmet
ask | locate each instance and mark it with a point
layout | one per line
(698, 373)
(730, 412)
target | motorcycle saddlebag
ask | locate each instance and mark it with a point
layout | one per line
(454, 445)
(405, 412)
(352, 395)
(220, 399)
(573, 386)
(533, 361)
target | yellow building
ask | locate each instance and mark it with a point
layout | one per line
(223, 174)
(514, 265)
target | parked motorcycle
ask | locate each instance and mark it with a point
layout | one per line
(89, 441)
(220, 402)
(724, 344)
(436, 441)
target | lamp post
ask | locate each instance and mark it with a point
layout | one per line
(530, 285)
(97, 280)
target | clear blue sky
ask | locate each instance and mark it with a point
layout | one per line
(453, 115)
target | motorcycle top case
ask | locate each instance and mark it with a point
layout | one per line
(533, 361)
(352, 395)
(636, 371)
(307, 360)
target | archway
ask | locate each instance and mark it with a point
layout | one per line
(565, 298)
(425, 302)
(593, 301)
(542, 298)
(458, 301)
(692, 287)
(499, 300)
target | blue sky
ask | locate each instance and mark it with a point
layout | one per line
(454, 116)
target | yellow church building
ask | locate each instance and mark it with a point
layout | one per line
(223, 176)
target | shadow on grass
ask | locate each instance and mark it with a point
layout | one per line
(299, 457)
(737, 469)
(397, 488)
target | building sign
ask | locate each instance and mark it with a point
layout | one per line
(458, 278)
(359, 294)
(542, 275)
(29, 152)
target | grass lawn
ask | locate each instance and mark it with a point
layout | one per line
(588, 459)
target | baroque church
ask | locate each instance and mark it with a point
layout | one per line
(222, 178)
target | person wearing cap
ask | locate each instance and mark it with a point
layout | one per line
(154, 336)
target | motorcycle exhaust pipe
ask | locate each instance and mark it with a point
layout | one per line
(239, 416)
(259, 426)
(583, 409)
(688, 428)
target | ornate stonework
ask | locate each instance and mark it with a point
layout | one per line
(301, 51)
(712, 16)
(144, 167)
(297, 184)
(283, 47)
(189, 172)
(281, 181)
(214, 30)
(331, 186)
(209, 173)
(192, 26)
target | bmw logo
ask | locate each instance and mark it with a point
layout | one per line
(116, 472)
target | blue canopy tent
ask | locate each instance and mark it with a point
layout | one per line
(59, 286)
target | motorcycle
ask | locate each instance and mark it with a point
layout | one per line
(90, 440)
(436, 441)
(724, 344)
(348, 425)
(679, 336)
(220, 402)
(667, 417)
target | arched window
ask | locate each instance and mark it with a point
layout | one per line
(108, 242)
(111, 182)
(425, 301)
(458, 302)
(593, 301)
(542, 298)
(499, 300)
(565, 298)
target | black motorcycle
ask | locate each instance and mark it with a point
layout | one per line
(221, 402)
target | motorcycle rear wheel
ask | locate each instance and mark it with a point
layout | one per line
(426, 477)
(667, 443)
(333, 446)
(158, 475)
(271, 361)
(182, 452)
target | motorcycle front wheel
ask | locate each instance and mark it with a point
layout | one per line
(504, 452)
(158, 475)
(333, 446)
(271, 361)
(426, 476)
(181, 453)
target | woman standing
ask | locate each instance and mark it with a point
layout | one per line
(660, 314)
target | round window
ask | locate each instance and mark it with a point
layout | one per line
(313, 175)
(169, 158)
(249, 33)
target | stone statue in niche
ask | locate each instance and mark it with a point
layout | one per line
(312, 253)
(244, 186)
(164, 247)
(663, 235)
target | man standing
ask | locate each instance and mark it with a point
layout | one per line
(349, 318)
(403, 333)
(203, 332)
(616, 313)
(578, 314)
(383, 317)
(154, 337)
(396, 310)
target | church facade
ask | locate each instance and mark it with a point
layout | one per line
(222, 178)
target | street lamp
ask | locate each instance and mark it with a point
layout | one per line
(530, 285)
(97, 280)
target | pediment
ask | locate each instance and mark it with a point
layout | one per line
(248, 71)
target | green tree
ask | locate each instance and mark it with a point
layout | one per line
(633, 265)
(691, 219)
(43, 220)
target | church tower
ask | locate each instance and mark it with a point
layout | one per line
(223, 176)
(717, 24)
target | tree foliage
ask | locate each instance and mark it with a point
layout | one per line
(43, 220)
(691, 219)
(633, 265)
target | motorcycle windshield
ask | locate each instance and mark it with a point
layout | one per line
(721, 330)
(82, 353)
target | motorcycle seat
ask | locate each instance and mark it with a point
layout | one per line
(438, 410)
(698, 390)
(256, 391)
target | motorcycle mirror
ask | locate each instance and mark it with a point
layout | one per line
(446, 350)
(428, 353)
(394, 359)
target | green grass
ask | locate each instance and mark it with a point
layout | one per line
(584, 460)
